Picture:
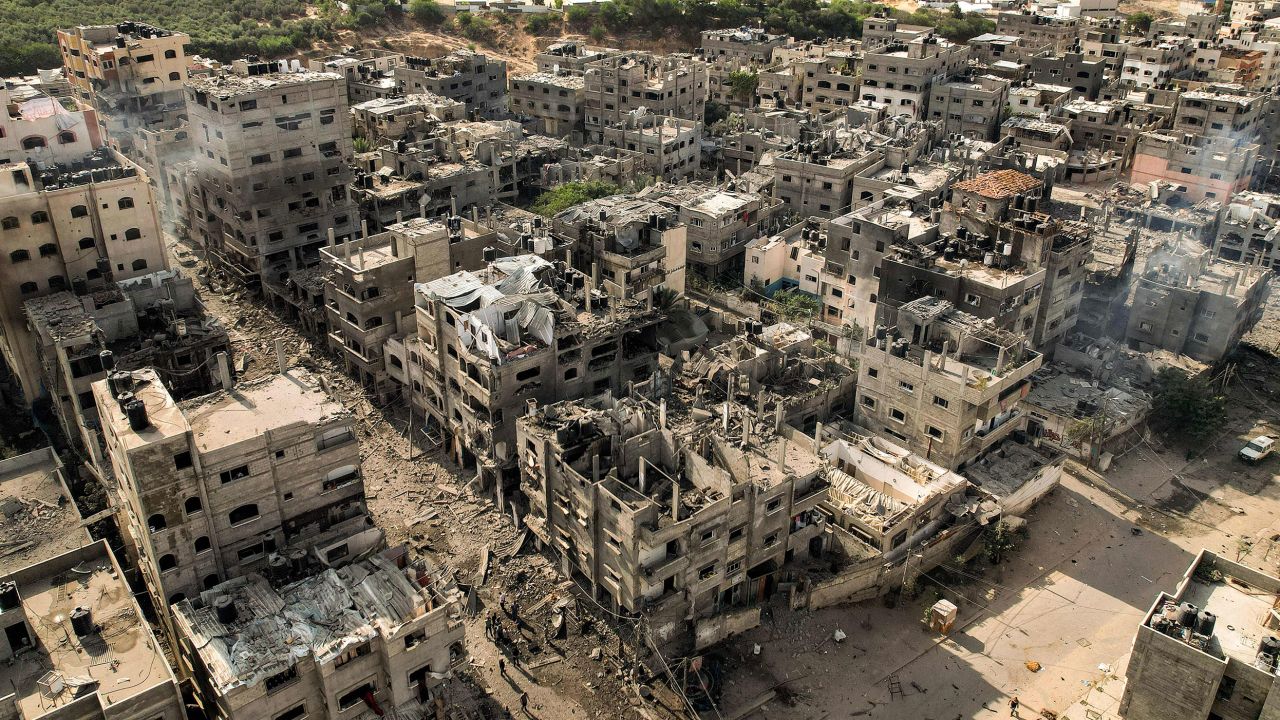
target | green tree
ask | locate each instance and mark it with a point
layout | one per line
(665, 299)
(427, 12)
(793, 306)
(743, 84)
(565, 196)
(1189, 409)
(1092, 431)
(1140, 22)
(997, 542)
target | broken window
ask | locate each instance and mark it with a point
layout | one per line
(235, 473)
(244, 513)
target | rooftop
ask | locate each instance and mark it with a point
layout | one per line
(38, 517)
(229, 85)
(572, 82)
(878, 482)
(117, 659)
(250, 409)
(999, 184)
(319, 617)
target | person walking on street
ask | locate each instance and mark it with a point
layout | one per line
(1013, 707)
(502, 667)
(524, 703)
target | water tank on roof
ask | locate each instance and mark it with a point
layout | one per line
(82, 621)
(1205, 622)
(224, 607)
(137, 414)
(1187, 615)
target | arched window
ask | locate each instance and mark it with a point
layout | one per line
(170, 54)
(34, 142)
(202, 544)
(132, 234)
(139, 264)
(176, 598)
(373, 322)
(18, 256)
(39, 217)
(93, 274)
(174, 76)
(9, 223)
(48, 250)
(27, 288)
(156, 522)
(66, 137)
(211, 581)
(125, 203)
(87, 243)
(57, 282)
(167, 562)
(193, 505)
(79, 211)
(244, 513)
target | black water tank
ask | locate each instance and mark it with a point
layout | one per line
(224, 608)
(1269, 645)
(79, 286)
(137, 413)
(490, 254)
(108, 360)
(82, 621)
(9, 597)
(1205, 622)
(1187, 615)
(104, 267)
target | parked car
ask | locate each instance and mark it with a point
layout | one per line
(1258, 449)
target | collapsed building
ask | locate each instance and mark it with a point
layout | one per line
(379, 634)
(475, 79)
(628, 244)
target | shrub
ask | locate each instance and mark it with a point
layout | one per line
(427, 12)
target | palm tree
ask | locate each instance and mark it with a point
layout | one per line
(664, 299)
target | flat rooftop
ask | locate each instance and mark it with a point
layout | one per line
(228, 85)
(321, 616)
(250, 409)
(38, 517)
(118, 660)
(570, 82)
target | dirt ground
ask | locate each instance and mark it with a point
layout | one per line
(1097, 552)
(418, 498)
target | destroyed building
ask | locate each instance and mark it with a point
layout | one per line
(377, 635)
(555, 103)
(77, 645)
(1190, 303)
(627, 244)
(38, 513)
(1208, 649)
(719, 223)
(669, 523)
(671, 147)
(387, 120)
(748, 44)
(150, 321)
(1247, 229)
(1202, 167)
(77, 225)
(570, 56)
(230, 483)
(369, 73)
(669, 86)
(272, 153)
(469, 77)
(942, 381)
(524, 330)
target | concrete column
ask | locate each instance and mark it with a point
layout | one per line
(817, 438)
(675, 501)
(280, 358)
(662, 413)
(224, 370)
(644, 487)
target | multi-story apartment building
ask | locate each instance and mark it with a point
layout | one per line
(272, 167)
(42, 128)
(150, 321)
(62, 616)
(468, 77)
(1199, 166)
(555, 103)
(654, 525)
(76, 224)
(1038, 33)
(368, 291)
(1208, 649)
(1106, 40)
(369, 73)
(1151, 63)
(829, 82)
(390, 119)
(1082, 74)
(1190, 303)
(902, 74)
(628, 244)
(570, 56)
(1247, 230)
(132, 75)
(1216, 112)
(719, 223)
(970, 105)
(474, 366)
(380, 635)
(669, 86)
(816, 178)
(942, 381)
(750, 45)
(215, 487)
(670, 147)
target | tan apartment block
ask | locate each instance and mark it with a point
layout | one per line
(669, 86)
(463, 75)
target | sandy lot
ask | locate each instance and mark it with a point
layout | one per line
(1097, 552)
